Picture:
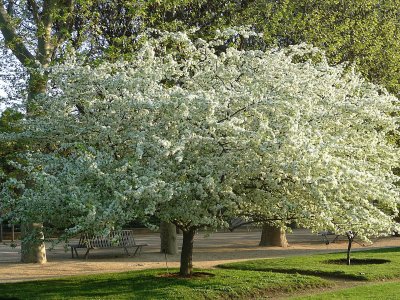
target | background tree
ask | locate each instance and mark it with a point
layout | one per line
(272, 235)
(360, 32)
(34, 32)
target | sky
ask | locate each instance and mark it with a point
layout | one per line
(8, 68)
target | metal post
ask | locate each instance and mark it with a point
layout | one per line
(12, 233)
(1, 230)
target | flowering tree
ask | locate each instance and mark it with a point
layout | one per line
(326, 159)
(194, 132)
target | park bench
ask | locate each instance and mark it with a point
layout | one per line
(115, 239)
(327, 233)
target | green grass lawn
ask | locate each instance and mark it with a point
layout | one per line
(319, 265)
(387, 291)
(224, 284)
(245, 280)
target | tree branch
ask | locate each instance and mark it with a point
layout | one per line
(257, 220)
(13, 40)
(45, 46)
(10, 7)
(35, 11)
(229, 116)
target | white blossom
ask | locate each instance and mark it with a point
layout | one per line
(193, 136)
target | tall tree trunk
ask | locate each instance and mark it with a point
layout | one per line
(43, 13)
(186, 268)
(32, 246)
(273, 236)
(33, 249)
(168, 238)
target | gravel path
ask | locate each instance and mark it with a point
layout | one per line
(209, 251)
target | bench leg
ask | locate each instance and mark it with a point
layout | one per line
(335, 239)
(126, 251)
(87, 253)
(138, 250)
(73, 249)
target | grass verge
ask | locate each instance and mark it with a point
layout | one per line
(321, 265)
(148, 284)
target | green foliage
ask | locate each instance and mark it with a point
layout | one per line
(9, 148)
(225, 284)
(361, 32)
(120, 24)
(318, 265)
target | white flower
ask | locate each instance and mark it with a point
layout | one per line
(192, 135)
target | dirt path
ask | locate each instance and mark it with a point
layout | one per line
(210, 251)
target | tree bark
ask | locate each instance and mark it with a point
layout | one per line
(168, 238)
(13, 40)
(186, 267)
(37, 84)
(350, 238)
(33, 249)
(273, 236)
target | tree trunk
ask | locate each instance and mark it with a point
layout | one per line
(273, 236)
(32, 243)
(350, 238)
(37, 84)
(186, 268)
(168, 238)
(33, 249)
(44, 20)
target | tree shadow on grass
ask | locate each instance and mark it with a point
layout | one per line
(156, 284)
(130, 285)
(134, 287)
